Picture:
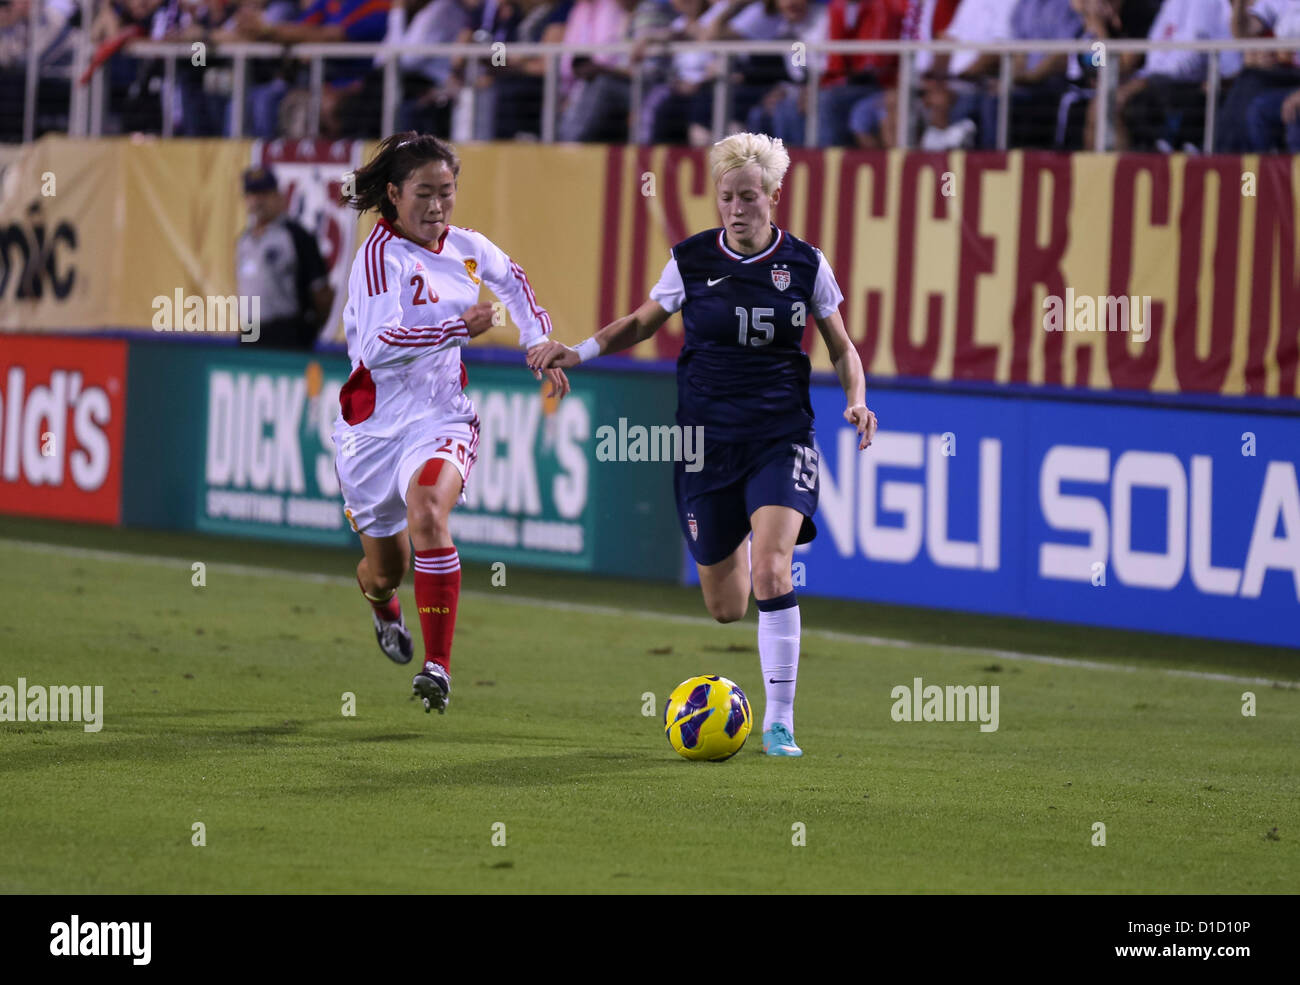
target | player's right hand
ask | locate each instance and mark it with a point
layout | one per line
(477, 318)
(552, 355)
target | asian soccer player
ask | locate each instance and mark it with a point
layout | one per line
(407, 435)
(745, 291)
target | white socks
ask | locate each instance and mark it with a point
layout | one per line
(778, 653)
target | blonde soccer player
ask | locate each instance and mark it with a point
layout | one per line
(407, 435)
(745, 291)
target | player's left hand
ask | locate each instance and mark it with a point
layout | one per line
(864, 420)
(559, 383)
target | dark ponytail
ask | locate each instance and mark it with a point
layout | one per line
(396, 159)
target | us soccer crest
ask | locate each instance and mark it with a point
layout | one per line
(781, 277)
(471, 268)
(692, 526)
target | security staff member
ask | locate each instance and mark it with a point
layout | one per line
(278, 261)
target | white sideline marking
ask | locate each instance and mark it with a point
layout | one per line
(611, 610)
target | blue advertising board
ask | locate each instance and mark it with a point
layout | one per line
(1154, 518)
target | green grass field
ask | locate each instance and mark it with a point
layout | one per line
(223, 705)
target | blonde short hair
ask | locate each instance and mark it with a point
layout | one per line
(742, 149)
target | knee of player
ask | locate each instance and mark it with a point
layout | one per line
(426, 520)
(373, 578)
(386, 581)
(728, 611)
(771, 577)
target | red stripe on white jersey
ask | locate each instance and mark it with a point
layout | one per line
(413, 330)
(379, 263)
(376, 275)
(417, 344)
(375, 235)
(538, 311)
(425, 336)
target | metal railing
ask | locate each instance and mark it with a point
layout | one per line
(86, 113)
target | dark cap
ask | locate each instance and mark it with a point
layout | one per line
(259, 179)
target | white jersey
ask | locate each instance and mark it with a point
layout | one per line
(404, 326)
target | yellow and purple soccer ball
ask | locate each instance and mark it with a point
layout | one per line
(707, 718)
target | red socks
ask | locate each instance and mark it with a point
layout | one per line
(389, 610)
(437, 591)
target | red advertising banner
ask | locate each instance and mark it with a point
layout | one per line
(62, 408)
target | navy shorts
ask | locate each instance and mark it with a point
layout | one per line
(714, 504)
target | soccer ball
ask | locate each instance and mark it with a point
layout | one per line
(707, 718)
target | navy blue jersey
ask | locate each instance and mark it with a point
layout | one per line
(742, 373)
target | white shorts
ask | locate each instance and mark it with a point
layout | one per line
(374, 472)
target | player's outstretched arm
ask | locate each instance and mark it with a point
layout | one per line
(623, 333)
(848, 367)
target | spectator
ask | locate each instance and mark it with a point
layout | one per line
(599, 95)
(967, 73)
(199, 112)
(1266, 78)
(1163, 106)
(852, 79)
(597, 92)
(428, 85)
(1266, 88)
(681, 109)
(872, 121)
(203, 91)
(323, 21)
(133, 83)
(1039, 81)
(943, 132)
(278, 261)
(15, 25)
(517, 85)
(508, 93)
(55, 24)
(752, 76)
(782, 109)
(1289, 114)
(1102, 20)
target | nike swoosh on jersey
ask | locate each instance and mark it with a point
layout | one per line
(718, 281)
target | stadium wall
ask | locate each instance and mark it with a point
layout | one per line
(1080, 476)
(1123, 514)
(946, 260)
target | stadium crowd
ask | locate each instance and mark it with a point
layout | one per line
(1159, 99)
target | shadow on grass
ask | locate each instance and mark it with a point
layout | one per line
(301, 744)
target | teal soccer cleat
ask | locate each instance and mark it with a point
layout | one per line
(778, 741)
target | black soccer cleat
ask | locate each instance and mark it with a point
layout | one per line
(394, 639)
(432, 686)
